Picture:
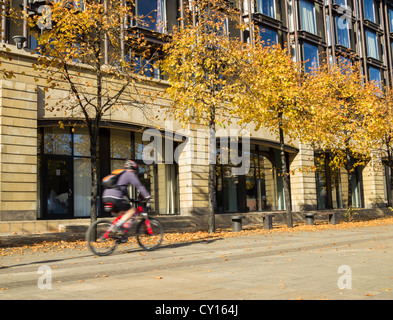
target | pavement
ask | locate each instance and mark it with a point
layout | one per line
(332, 264)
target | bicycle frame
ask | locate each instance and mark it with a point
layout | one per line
(139, 211)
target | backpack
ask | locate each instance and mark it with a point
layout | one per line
(110, 181)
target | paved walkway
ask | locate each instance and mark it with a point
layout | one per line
(330, 264)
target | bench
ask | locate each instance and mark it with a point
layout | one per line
(310, 217)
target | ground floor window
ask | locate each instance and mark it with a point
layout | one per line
(261, 189)
(332, 184)
(64, 177)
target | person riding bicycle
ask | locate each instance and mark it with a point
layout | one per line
(119, 197)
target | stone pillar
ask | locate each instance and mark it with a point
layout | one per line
(303, 185)
(193, 172)
(18, 153)
(373, 184)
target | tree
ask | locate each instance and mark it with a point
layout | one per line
(340, 101)
(268, 96)
(378, 134)
(200, 66)
(84, 49)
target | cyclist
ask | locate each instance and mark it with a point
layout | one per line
(119, 197)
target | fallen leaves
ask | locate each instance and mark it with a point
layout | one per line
(200, 236)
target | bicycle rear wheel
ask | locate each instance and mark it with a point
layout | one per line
(99, 239)
(149, 238)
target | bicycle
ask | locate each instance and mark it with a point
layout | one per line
(102, 242)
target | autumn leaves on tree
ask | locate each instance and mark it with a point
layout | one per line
(217, 78)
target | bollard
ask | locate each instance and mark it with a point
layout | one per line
(237, 223)
(310, 219)
(268, 222)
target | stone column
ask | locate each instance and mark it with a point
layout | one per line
(18, 153)
(303, 185)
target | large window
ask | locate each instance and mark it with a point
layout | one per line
(65, 170)
(342, 31)
(310, 56)
(261, 189)
(372, 44)
(266, 7)
(307, 16)
(369, 10)
(152, 14)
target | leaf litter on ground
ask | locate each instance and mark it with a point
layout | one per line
(192, 236)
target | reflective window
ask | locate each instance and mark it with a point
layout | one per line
(307, 16)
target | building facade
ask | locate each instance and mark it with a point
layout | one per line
(45, 170)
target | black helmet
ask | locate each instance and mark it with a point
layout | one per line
(131, 165)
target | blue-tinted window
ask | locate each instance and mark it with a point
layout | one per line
(268, 36)
(266, 7)
(372, 44)
(375, 75)
(152, 14)
(369, 10)
(307, 16)
(310, 56)
(342, 31)
(391, 19)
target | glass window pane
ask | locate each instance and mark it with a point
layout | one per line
(310, 56)
(375, 75)
(391, 19)
(81, 142)
(57, 141)
(266, 7)
(268, 36)
(369, 10)
(120, 144)
(307, 16)
(342, 32)
(152, 14)
(372, 44)
(82, 187)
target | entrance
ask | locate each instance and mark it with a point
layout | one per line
(57, 184)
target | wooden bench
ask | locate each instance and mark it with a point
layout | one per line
(310, 217)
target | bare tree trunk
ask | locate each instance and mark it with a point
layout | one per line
(285, 176)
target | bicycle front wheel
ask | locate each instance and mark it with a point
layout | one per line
(98, 238)
(149, 234)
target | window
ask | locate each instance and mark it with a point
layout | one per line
(266, 7)
(391, 19)
(375, 75)
(310, 56)
(145, 67)
(369, 10)
(151, 14)
(342, 31)
(372, 44)
(268, 36)
(307, 17)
